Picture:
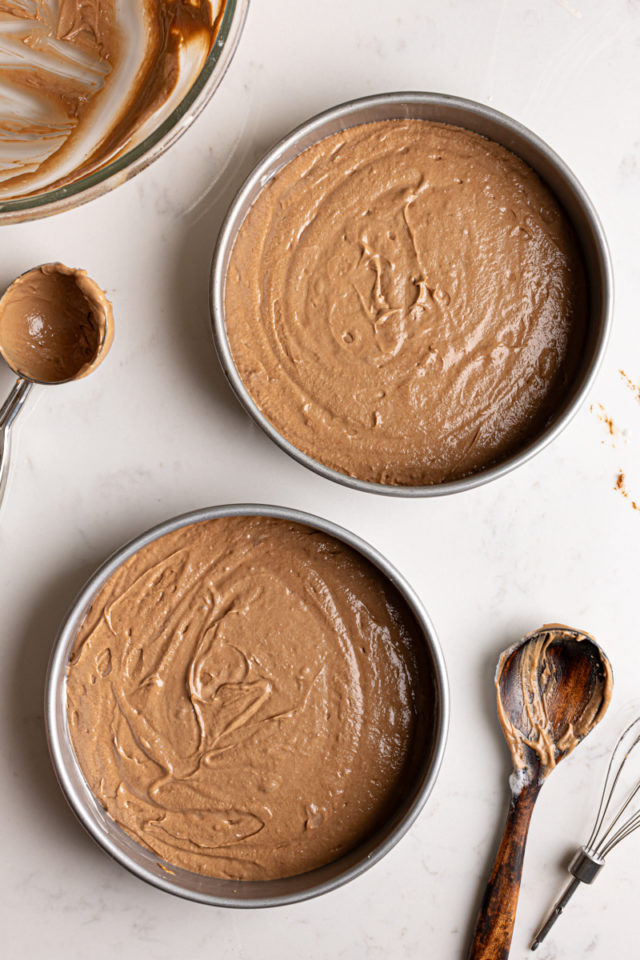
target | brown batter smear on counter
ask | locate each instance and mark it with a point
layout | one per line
(632, 386)
(604, 417)
(248, 698)
(621, 487)
(56, 324)
(406, 302)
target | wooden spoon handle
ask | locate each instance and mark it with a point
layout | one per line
(494, 927)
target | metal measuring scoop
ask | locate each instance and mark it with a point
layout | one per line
(56, 325)
(552, 687)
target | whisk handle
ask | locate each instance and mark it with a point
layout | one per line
(494, 926)
(584, 866)
(555, 913)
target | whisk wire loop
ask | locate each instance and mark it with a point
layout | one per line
(609, 829)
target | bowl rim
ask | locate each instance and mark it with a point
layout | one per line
(268, 166)
(55, 689)
(137, 158)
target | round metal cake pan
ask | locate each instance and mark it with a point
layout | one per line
(230, 893)
(495, 126)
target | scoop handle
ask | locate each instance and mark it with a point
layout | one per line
(8, 412)
(494, 926)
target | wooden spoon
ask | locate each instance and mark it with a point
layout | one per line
(552, 687)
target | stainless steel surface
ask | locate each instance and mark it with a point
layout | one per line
(8, 412)
(227, 893)
(488, 123)
(585, 865)
(617, 818)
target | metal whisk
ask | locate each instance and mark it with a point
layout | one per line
(618, 816)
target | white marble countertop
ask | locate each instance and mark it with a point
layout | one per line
(156, 432)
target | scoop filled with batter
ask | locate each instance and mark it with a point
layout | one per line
(249, 698)
(406, 303)
(56, 324)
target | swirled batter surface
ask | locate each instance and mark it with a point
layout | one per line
(405, 302)
(249, 698)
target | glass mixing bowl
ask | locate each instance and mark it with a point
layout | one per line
(135, 158)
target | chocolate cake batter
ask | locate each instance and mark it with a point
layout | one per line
(405, 302)
(56, 324)
(248, 698)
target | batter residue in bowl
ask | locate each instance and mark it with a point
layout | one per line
(249, 698)
(405, 302)
(81, 80)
